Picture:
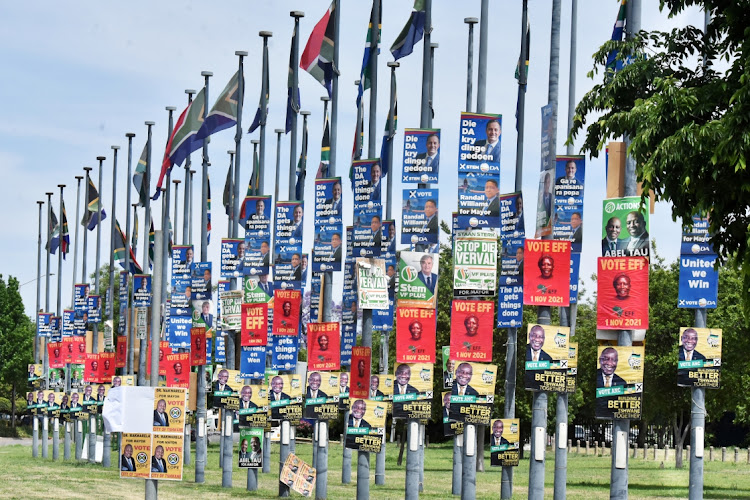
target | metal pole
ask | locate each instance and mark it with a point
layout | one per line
(84, 276)
(263, 115)
(165, 222)
(188, 203)
(152, 485)
(95, 338)
(425, 114)
(77, 224)
(175, 224)
(283, 454)
(56, 421)
(39, 280)
(45, 356)
(335, 84)
(129, 324)
(66, 442)
(431, 104)
(483, 34)
(146, 228)
(471, 21)
(296, 14)
(190, 238)
(697, 427)
(131, 312)
(200, 412)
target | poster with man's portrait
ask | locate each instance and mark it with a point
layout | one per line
(421, 156)
(366, 425)
(505, 439)
(699, 357)
(412, 394)
(619, 382)
(546, 358)
(322, 395)
(473, 393)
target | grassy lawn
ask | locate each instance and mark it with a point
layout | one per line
(588, 477)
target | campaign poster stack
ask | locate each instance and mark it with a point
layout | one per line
(349, 310)
(570, 174)
(699, 281)
(382, 319)
(287, 264)
(181, 299)
(479, 171)
(512, 242)
(298, 475)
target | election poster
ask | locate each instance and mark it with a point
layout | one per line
(360, 373)
(322, 395)
(298, 475)
(449, 367)
(381, 387)
(323, 341)
(231, 310)
(696, 238)
(93, 370)
(225, 386)
(142, 290)
(254, 325)
(420, 224)
(201, 281)
(545, 204)
(568, 217)
(258, 289)
(570, 377)
(198, 346)
(699, 282)
(473, 393)
(327, 246)
(546, 358)
(367, 187)
(253, 406)
(549, 126)
(285, 397)
(546, 277)
(255, 216)
(288, 247)
(512, 234)
(575, 267)
(699, 357)
(55, 354)
(418, 279)
(412, 395)
(625, 227)
(121, 351)
(250, 453)
(170, 404)
(450, 427)
(510, 302)
(284, 351)
(344, 389)
(415, 335)
(421, 156)
(480, 143)
(252, 362)
(178, 369)
(478, 200)
(475, 263)
(182, 261)
(107, 366)
(622, 293)
(366, 426)
(287, 305)
(471, 330)
(505, 442)
(232, 257)
(619, 382)
(166, 461)
(372, 283)
(135, 455)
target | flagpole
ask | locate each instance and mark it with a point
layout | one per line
(127, 306)
(296, 14)
(131, 309)
(424, 117)
(190, 205)
(263, 115)
(38, 283)
(431, 100)
(470, 21)
(45, 362)
(252, 474)
(107, 436)
(188, 202)
(55, 420)
(165, 222)
(482, 74)
(146, 188)
(76, 223)
(66, 431)
(335, 86)
(200, 412)
(176, 183)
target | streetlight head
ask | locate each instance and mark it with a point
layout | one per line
(79, 177)
(393, 64)
(471, 20)
(297, 14)
(207, 73)
(304, 113)
(241, 53)
(434, 45)
(279, 130)
(190, 91)
(61, 186)
(88, 169)
(129, 135)
(176, 181)
(150, 123)
(356, 82)
(115, 147)
(255, 141)
(192, 172)
(49, 194)
(266, 34)
(325, 98)
(101, 158)
(230, 151)
(170, 108)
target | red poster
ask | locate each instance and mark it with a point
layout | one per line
(178, 369)
(415, 335)
(55, 351)
(122, 351)
(107, 366)
(197, 346)
(79, 350)
(92, 371)
(359, 383)
(622, 293)
(164, 349)
(546, 273)
(67, 349)
(323, 341)
(471, 330)
(286, 306)
(254, 325)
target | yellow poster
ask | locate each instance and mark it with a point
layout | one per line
(170, 404)
(135, 455)
(166, 456)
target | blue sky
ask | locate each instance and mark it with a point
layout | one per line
(78, 76)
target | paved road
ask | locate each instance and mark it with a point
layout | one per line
(5, 441)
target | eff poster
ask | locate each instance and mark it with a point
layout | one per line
(471, 330)
(546, 276)
(622, 293)
(415, 335)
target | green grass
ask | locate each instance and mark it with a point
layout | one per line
(588, 477)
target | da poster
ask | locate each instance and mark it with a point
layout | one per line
(475, 263)
(421, 156)
(201, 281)
(415, 335)
(360, 374)
(254, 325)
(285, 397)
(324, 344)
(166, 458)
(478, 200)
(412, 395)
(696, 239)
(622, 293)
(546, 276)
(480, 143)
(699, 358)
(450, 427)
(366, 425)
(170, 404)
(625, 231)
(250, 453)
(471, 330)
(505, 442)
(619, 382)
(568, 218)
(418, 279)
(419, 216)
(322, 395)
(546, 358)
(699, 282)
(232, 258)
(473, 393)
(253, 411)
(510, 302)
(512, 234)
(255, 216)
(135, 455)
(372, 284)
(570, 376)
(142, 290)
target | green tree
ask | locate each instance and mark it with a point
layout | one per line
(683, 98)
(16, 340)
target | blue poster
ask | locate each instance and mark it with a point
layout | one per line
(421, 155)
(209, 350)
(201, 281)
(478, 200)
(68, 326)
(221, 350)
(287, 260)
(54, 329)
(142, 290)
(695, 240)
(328, 244)
(575, 265)
(80, 301)
(510, 302)
(94, 305)
(181, 296)
(232, 258)
(253, 362)
(43, 324)
(182, 261)
(512, 234)
(420, 222)
(480, 143)
(699, 282)
(256, 218)
(178, 333)
(568, 212)
(284, 352)
(367, 185)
